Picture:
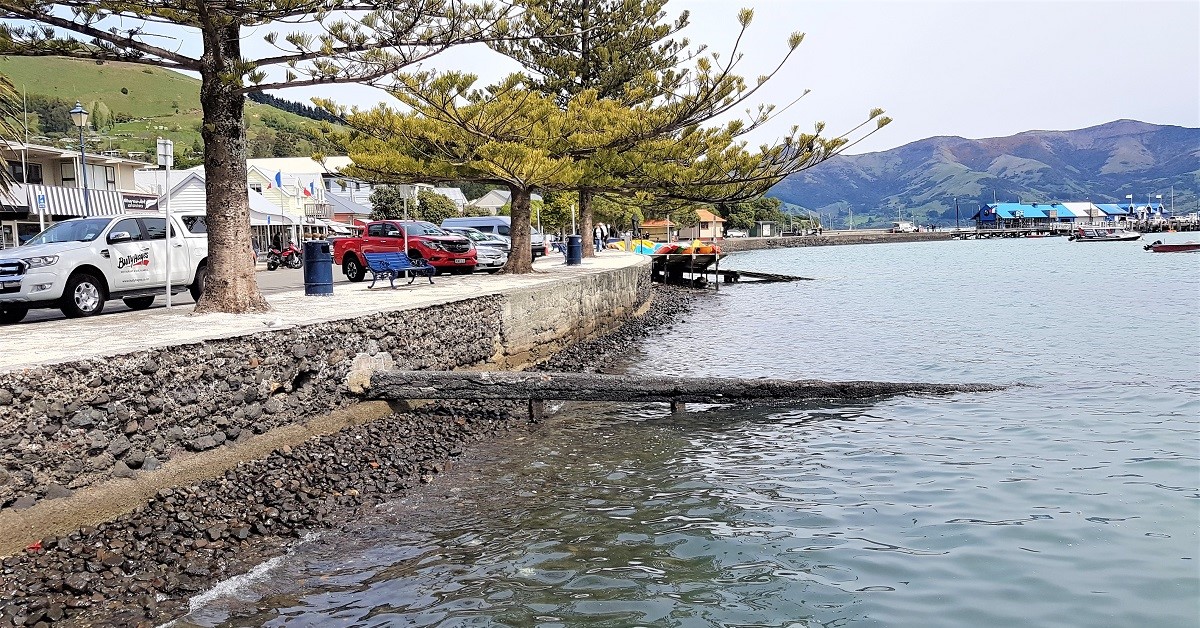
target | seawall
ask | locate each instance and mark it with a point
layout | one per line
(830, 238)
(182, 410)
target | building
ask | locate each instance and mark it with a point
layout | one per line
(49, 186)
(456, 196)
(495, 199)
(710, 227)
(187, 194)
(1046, 215)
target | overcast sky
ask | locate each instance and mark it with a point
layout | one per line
(972, 68)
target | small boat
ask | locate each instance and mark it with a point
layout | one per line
(1181, 247)
(1104, 234)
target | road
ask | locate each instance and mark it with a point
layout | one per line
(269, 282)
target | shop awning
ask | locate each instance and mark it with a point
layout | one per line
(53, 200)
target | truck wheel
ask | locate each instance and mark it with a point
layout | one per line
(353, 269)
(138, 303)
(197, 287)
(10, 314)
(84, 296)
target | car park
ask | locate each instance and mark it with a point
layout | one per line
(446, 252)
(483, 238)
(79, 264)
(500, 225)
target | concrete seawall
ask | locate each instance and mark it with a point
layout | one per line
(133, 403)
(731, 245)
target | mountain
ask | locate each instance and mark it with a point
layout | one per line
(1101, 164)
(132, 105)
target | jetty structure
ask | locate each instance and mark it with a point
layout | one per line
(539, 387)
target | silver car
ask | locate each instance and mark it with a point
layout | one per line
(489, 258)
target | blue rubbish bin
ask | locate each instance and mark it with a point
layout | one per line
(574, 250)
(318, 269)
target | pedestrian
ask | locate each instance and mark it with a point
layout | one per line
(597, 234)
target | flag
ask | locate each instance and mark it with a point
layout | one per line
(279, 180)
(308, 191)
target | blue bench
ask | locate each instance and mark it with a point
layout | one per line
(395, 264)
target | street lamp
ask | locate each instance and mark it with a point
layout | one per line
(79, 116)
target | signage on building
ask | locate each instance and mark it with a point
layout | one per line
(134, 202)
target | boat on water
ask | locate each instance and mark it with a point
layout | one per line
(1104, 234)
(1178, 247)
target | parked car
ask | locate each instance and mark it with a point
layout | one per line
(483, 238)
(78, 264)
(735, 233)
(500, 225)
(903, 227)
(446, 252)
(490, 258)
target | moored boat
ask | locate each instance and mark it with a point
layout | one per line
(1177, 247)
(1104, 234)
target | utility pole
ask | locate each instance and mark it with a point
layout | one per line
(957, 220)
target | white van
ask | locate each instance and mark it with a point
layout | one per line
(501, 225)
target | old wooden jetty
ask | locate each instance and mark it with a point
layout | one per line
(538, 388)
(693, 269)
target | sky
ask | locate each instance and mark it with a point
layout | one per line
(970, 68)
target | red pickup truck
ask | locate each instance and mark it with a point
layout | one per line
(445, 251)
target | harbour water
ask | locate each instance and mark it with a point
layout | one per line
(1072, 499)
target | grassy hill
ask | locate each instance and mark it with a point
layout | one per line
(922, 179)
(146, 103)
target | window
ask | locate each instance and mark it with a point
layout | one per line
(130, 226)
(27, 173)
(195, 224)
(156, 228)
(257, 187)
(502, 230)
(375, 230)
(67, 170)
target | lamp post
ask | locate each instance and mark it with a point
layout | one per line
(79, 116)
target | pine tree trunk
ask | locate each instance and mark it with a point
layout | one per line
(587, 223)
(231, 285)
(520, 257)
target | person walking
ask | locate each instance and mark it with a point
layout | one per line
(597, 234)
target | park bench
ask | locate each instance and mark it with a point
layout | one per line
(393, 264)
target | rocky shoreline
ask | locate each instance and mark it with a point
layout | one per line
(141, 568)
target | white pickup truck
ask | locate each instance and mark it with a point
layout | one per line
(78, 264)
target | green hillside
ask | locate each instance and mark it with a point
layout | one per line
(143, 103)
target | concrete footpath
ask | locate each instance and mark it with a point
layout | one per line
(53, 341)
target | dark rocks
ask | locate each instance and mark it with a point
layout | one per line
(24, 501)
(55, 491)
(122, 470)
(118, 446)
(6, 397)
(135, 458)
(151, 463)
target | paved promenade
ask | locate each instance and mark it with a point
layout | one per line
(52, 341)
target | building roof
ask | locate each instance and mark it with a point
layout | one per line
(300, 165)
(454, 194)
(707, 216)
(343, 205)
(498, 198)
(38, 150)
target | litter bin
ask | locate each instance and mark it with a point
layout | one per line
(574, 250)
(318, 269)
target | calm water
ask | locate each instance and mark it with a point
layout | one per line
(1072, 501)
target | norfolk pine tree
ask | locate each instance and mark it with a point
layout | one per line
(626, 54)
(505, 134)
(332, 41)
(619, 50)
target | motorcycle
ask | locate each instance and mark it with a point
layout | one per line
(289, 257)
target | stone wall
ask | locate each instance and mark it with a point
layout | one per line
(71, 425)
(730, 245)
